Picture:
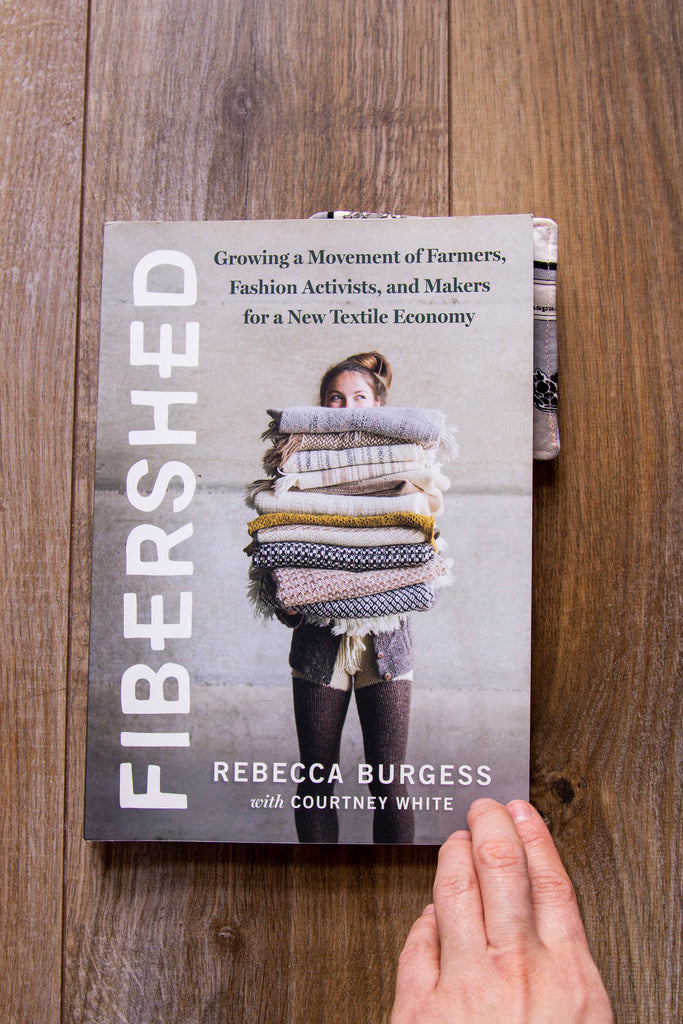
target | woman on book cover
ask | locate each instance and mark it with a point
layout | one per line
(381, 676)
(343, 551)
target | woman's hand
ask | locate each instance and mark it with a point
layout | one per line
(503, 942)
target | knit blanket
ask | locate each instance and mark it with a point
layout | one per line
(423, 426)
(368, 455)
(400, 520)
(332, 556)
(345, 531)
(295, 586)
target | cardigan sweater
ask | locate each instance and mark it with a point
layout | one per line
(314, 650)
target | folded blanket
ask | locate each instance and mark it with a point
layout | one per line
(285, 446)
(368, 455)
(380, 487)
(424, 477)
(418, 597)
(423, 426)
(339, 504)
(401, 520)
(295, 586)
(345, 532)
(345, 615)
(295, 554)
(340, 536)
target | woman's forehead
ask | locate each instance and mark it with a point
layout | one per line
(353, 378)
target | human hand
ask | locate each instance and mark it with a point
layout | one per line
(503, 942)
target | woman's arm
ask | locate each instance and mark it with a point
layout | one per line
(291, 619)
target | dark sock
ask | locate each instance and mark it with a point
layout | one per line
(384, 713)
(319, 712)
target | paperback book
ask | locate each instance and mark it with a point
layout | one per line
(311, 570)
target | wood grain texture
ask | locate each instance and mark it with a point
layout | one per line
(42, 55)
(233, 109)
(241, 110)
(588, 131)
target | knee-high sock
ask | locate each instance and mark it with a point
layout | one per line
(319, 712)
(384, 713)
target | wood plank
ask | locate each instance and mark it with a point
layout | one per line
(275, 110)
(41, 98)
(581, 121)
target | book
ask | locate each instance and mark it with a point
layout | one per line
(259, 548)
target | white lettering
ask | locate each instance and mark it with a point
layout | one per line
(169, 471)
(164, 357)
(160, 402)
(162, 565)
(142, 296)
(157, 631)
(152, 798)
(156, 703)
(155, 739)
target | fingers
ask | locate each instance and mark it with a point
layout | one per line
(504, 938)
(501, 866)
(555, 909)
(419, 962)
(457, 901)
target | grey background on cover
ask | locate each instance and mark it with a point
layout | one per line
(470, 702)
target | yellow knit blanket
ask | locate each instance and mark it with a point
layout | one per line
(410, 519)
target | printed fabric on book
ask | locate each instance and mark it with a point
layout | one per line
(351, 576)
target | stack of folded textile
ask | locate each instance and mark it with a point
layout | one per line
(345, 532)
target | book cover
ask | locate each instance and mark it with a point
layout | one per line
(310, 613)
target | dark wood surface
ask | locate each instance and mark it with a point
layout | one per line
(220, 110)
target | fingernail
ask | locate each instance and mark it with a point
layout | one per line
(429, 909)
(519, 811)
(481, 801)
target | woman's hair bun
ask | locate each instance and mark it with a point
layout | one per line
(375, 363)
(372, 365)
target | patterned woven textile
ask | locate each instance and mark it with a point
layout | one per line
(345, 532)
(368, 455)
(285, 446)
(417, 597)
(379, 487)
(546, 434)
(308, 586)
(423, 426)
(342, 475)
(337, 536)
(375, 606)
(332, 556)
(423, 477)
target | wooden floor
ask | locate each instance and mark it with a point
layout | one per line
(235, 109)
